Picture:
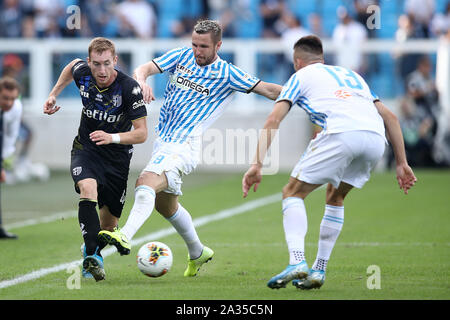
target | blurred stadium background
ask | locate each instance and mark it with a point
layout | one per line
(400, 47)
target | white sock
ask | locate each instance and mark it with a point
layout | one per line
(330, 228)
(144, 202)
(182, 222)
(295, 226)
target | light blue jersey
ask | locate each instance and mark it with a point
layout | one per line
(335, 98)
(195, 96)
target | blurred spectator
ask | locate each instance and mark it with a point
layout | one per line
(222, 10)
(316, 25)
(10, 19)
(233, 15)
(417, 129)
(362, 15)
(100, 18)
(137, 18)
(28, 30)
(13, 66)
(422, 88)
(271, 12)
(349, 36)
(421, 11)
(18, 165)
(440, 25)
(292, 32)
(406, 62)
(46, 17)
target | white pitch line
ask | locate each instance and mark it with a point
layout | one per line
(223, 214)
(45, 219)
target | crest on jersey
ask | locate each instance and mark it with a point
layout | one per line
(77, 171)
(117, 100)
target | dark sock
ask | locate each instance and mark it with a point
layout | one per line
(89, 224)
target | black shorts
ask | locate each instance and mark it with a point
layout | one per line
(111, 177)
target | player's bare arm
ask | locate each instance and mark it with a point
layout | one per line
(135, 136)
(253, 176)
(268, 90)
(141, 74)
(405, 176)
(65, 78)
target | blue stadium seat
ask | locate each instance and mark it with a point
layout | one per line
(193, 8)
(440, 5)
(250, 28)
(328, 10)
(389, 7)
(172, 7)
(388, 25)
(164, 26)
(302, 9)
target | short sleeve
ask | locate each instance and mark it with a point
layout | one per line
(135, 101)
(375, 97)
(291, 90)
(80, 69)
(241, 80)
(169, 60)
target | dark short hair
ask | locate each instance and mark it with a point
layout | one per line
(9, 83)
(311, 44)
(209, 26)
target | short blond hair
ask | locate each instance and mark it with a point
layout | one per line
(209, 26)
(101, 44)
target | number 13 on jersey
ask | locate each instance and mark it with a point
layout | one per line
(344, 77)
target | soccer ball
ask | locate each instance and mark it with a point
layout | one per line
(154, 259)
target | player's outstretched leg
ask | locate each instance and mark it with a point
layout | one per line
(115, 238)
(298, 271)
(181, 220)
(194, 265)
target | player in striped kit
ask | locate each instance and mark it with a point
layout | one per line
(352, 141)
(201, 85)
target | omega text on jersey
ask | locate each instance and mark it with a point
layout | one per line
(188, 84)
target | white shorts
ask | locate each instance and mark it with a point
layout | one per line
(175, 160)
(340, 157)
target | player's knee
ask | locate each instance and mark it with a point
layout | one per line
(150, 179)
(88, 189)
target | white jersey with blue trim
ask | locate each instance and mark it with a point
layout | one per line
(195, 96)
(335, 98)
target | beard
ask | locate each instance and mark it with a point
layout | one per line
(204, 61)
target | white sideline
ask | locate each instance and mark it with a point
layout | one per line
(223, 214)
(31, 222)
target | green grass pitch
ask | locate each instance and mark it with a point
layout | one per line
(406, 237)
